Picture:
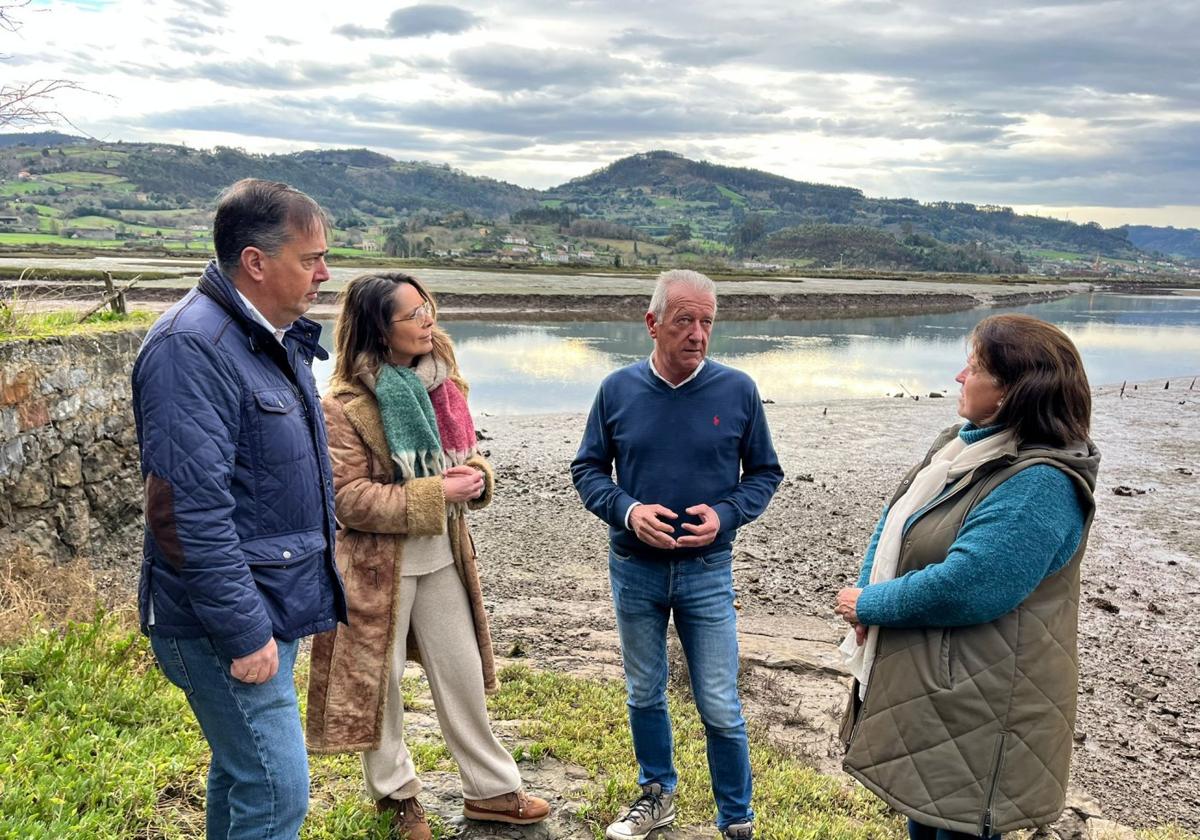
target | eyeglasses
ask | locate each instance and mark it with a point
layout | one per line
(425, 310)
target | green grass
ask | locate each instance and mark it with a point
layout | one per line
(98, 744)
(1047, 254)
(584, 722)
(15, 324)
(108, 222)
(736, 198)
(55, 239)
(84, 179)
(23, 188)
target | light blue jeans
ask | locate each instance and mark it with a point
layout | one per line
(698, 594)
(258, 778)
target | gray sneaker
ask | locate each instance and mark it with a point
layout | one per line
(653, 809)
(738, 831)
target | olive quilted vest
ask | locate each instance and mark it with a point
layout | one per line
(970, 728)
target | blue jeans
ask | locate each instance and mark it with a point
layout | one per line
(698, 593)
(258, 778)
(917, 831)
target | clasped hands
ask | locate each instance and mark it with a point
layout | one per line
(648, 524)
(846, 607)
(462, 483)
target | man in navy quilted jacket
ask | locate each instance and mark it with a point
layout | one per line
(238, 551)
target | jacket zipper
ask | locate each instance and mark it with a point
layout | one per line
(987, 810)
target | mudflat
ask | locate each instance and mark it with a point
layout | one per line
(1137, 751)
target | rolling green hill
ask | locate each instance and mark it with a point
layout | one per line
(655, 190)
(54, 187)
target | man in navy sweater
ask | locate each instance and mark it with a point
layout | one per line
(694, 462)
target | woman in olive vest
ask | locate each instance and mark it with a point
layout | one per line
(963, 622)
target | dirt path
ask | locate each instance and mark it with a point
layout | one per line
(1138, 735)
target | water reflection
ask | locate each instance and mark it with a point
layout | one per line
(524, 368)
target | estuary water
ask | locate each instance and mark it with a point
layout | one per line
(555, 367)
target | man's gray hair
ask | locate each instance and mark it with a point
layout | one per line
(678, 277)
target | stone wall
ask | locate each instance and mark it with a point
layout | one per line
(69, 470)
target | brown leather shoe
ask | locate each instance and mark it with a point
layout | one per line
(518, 808)
(408, 817)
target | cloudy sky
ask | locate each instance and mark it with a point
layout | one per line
(1084, 109)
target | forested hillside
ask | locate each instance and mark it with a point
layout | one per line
(55, 186)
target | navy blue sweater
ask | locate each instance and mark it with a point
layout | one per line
(1023, 531)
(705, 442)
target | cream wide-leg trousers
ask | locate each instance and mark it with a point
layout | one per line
(436, 607)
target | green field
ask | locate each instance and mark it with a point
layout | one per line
(1046, 254)
(23, 188)
(54, 239)
(82, 179)
(106, 222)
(736, 198)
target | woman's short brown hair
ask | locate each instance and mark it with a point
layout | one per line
(360, 335)
(1046, 394)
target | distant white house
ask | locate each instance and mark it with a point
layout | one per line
(509, 239)
(369, 245)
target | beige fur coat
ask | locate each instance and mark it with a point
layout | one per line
(350, 664)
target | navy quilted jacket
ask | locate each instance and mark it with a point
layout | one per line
(239, 492)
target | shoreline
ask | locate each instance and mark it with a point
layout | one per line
(567, 306)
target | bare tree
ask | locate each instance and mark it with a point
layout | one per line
(28, 103)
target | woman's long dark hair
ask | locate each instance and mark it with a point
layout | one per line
(360, 335)
(1046, 394)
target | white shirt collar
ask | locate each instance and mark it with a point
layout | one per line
(258, 316)
(654, 370)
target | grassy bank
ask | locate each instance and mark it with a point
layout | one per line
(17, 322)
(98, 744)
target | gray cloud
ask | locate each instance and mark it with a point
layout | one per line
(421, 20)
(190, 26)
(286, 75)
(1146, 165)
(327, 123)
(696, 52)
(504, 68)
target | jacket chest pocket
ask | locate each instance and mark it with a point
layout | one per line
(282, 426)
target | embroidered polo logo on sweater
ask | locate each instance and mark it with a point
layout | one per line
(716, 420)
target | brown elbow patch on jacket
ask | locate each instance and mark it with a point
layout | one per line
(426, 506)
(160, 518)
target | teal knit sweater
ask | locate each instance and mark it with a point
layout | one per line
(1026, 529)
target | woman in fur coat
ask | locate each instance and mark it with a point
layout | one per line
(406, 472)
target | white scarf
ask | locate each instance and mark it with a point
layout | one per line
(951, 462)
